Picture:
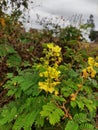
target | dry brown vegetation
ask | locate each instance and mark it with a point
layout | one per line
(91, 48)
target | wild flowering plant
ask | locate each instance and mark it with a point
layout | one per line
(50, 95)
(91, 71)
(67, 92)
(50, 65)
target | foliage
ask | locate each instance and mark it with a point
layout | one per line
(70, 33)
(93, 35)
(43, 81)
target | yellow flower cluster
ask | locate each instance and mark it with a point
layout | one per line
(54, 49)
(48, 86)
(91, 61)
(54, 53)
(73, 96)
(51, 73)
(2, 21)
(90, 71)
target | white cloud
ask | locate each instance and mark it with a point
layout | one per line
(73, 6)
(65, 8)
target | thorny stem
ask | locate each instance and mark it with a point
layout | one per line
(66, 110)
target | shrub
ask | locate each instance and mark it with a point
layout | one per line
(50, 95)
(46, 85)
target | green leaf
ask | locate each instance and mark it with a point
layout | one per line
(39, 121)
(29, 113)
(80, 104)
(94, 83)
(9, 75)
(25, 120)
(52, 112)
(10, 49)
(88, 103)
(7, 126)
(59, 98)
(72, 73)
(14, 60)
(6, 49)
(80, 118)
(11, 92)
(8, 115)
(71, 125)
(73, 104)
(86, 126)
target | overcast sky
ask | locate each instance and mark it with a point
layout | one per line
(66, 8)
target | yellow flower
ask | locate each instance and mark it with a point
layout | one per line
(73, 96)
(55, 83)
(46, 74)
(58, 60)
(55, 49)
(91, 61)
(50, 89)
(79, 85)
(89, 69)
(96, 64)
(46, 87)
(41, 74)
(15, 83)
(50, 72)
(43, 86)
(85, 74)
(93, 74)
(53, 73)
(46, 62)
(56, 92)
(50, 45)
